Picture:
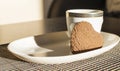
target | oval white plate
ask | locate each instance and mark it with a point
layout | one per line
(54, 48)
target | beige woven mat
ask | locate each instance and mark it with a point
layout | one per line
(107, 61)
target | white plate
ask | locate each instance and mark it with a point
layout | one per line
(53, 48)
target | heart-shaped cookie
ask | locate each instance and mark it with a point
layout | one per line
(85, 38)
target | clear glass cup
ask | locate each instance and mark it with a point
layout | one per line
(95, 17)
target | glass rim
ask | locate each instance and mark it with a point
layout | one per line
(84, 13)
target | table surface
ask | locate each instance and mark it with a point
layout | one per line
(107, 61)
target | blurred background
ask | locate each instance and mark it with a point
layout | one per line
(13, 11)
(110, 7)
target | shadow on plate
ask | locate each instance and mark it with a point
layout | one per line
(56, 43)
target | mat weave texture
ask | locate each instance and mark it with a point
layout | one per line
(108, 61)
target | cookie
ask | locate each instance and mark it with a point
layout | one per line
(85, 38)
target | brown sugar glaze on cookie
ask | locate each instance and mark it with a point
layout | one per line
(85, 38)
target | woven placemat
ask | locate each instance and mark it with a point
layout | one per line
(108, 61)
